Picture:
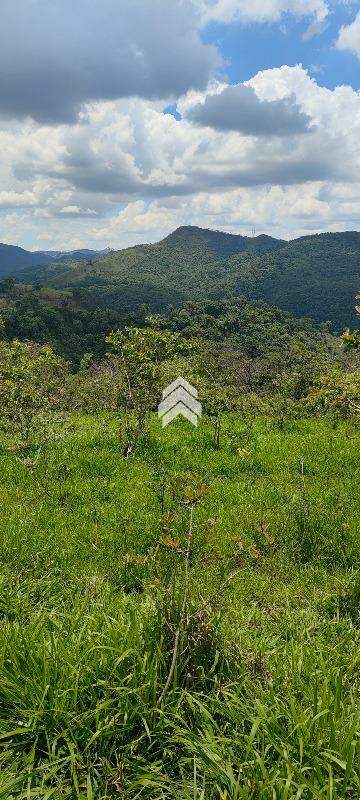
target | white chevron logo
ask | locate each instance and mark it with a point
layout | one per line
(180, 399)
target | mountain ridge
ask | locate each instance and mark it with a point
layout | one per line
(316, 276)
(223, 243)
(14, 259)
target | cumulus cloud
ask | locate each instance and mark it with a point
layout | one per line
(56, 55)
(114, 158)
(238, 108)
(262, 10)
(285, 212)
(349, 37)
(126, 172)
(11, 199)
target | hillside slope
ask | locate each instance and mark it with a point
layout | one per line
(316, 276)
(188, 261)
(14, 260)
(73, 326)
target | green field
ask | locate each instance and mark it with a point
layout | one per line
(265, 698)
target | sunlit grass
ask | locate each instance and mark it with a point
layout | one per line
(266, 706)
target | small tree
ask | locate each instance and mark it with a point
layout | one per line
(140, 353)
(6, 285)
(338, 393)
(217, 395)
(215, 403)
(31, 378)
(94, 387)
(352, 339)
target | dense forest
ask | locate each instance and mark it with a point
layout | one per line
(15, 259)
(315, 276)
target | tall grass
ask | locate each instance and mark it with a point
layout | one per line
(265, 699)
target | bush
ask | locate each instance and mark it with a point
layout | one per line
(32, 378)
(337, 393)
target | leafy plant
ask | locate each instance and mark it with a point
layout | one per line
(139, 353)
(352, 339)
(337, 393)
(31, 383)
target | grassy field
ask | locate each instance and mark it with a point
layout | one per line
(265, 698)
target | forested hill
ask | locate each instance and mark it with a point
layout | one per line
(269, 337)
(188, 262)
(14, 260)
(217, 243)
(315, 276)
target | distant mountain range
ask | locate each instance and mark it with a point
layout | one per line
(15, 259)
(316, 276)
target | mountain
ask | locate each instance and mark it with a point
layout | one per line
(189, 262)
(218, 243)
(74, 255)
(316, 276)
(15, 259)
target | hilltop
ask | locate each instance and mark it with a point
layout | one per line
(219, 243)
(190, 260)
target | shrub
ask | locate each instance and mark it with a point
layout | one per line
(139, 352)
(31, 383)
(337, 393)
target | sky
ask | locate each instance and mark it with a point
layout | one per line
(122, 119)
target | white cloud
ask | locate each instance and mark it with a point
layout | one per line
(127, 173)
(349, 37)
(76, 211)
(263, 10)
(13, 199)
(285, 212)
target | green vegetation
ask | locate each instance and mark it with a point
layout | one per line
(15, 259)
(179, 607)
(264, 701)
(31, 380)
(138, 356)
(351, 339)
(315, 276)
(60, 318)
(184, 264)
(73, 323)
(255, 345)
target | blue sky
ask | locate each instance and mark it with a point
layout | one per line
(123, 119)
(249, 48)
